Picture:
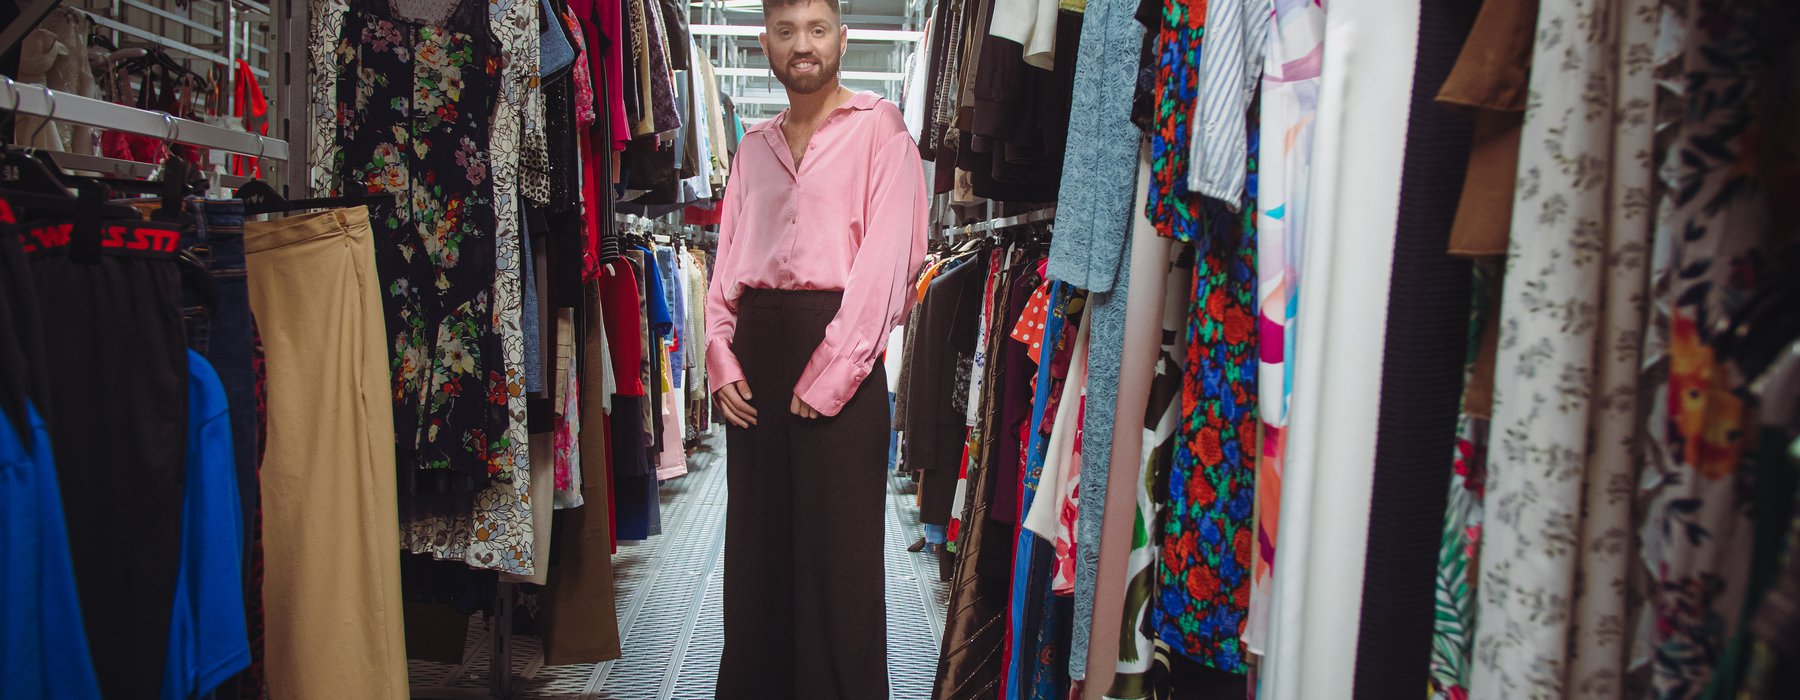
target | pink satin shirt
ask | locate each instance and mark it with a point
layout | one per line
(851, 217)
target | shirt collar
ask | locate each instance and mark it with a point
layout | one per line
(864, 100)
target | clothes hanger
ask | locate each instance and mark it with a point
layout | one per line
(155, 61)
(174, 178)
(25, 175)
(261, 198)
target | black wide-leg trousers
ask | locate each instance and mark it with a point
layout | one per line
(805, 599)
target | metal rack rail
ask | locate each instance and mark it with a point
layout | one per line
(75, 109)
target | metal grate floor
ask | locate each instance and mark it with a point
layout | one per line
(669, 604)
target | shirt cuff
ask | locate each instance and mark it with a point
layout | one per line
(722, 365)
(829, 381)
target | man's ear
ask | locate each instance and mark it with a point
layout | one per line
(843, 40)
(763, 39)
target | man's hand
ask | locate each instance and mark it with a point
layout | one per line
(734, 401)
(799, 408)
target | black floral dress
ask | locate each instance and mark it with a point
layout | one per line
(415, 94)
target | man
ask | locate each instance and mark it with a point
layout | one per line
(822, 236)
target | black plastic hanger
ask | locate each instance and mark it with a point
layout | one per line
(28, 180)
(174, 190)
(260, 198)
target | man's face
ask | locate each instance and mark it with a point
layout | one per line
(804, 42)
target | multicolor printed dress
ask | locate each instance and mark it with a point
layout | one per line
(412, 95)
(1203, 574)
(1171, 208)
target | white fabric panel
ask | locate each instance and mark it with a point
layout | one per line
(1363, 105)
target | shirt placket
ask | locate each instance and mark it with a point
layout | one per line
(799, 191)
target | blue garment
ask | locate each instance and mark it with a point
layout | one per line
(675, 293)
(1091, 250)
(1033, 558)
(656, 300)
(221, 328)
(208, 641)
(893, 439)
(1106, 349)
(530, 320)
(1093, 208)
(43, 643)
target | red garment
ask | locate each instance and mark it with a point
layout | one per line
(612, 24)
(620, 311)
(253, 108)
(703, 216)
(584, 75)
(591, 213)
(128, 146)
(606, 19)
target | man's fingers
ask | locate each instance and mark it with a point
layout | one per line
(739, 394)
(732, 416)
(732, 401)
(742, 407)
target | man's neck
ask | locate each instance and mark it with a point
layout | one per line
(810, 108)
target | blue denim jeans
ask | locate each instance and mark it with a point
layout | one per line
(223, 331)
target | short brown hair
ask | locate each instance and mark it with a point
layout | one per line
(770, 5)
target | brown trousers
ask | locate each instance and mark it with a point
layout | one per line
(330, 520)
(578, 622)
(805, 596)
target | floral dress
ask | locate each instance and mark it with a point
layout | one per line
(414, 95)
(1203, 575)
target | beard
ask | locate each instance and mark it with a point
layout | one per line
(811, 82)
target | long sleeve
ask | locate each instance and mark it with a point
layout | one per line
(721, 298)
(879, 289)
(1230, 69)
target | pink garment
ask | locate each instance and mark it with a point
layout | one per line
(673, 460)
(850, 218)
(567, 442)
(1063, 578)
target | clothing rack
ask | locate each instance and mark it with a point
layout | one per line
(59, 106)
(500, 677)
(661, 231)
(145, 35)
(984, 227)
(114, 167)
